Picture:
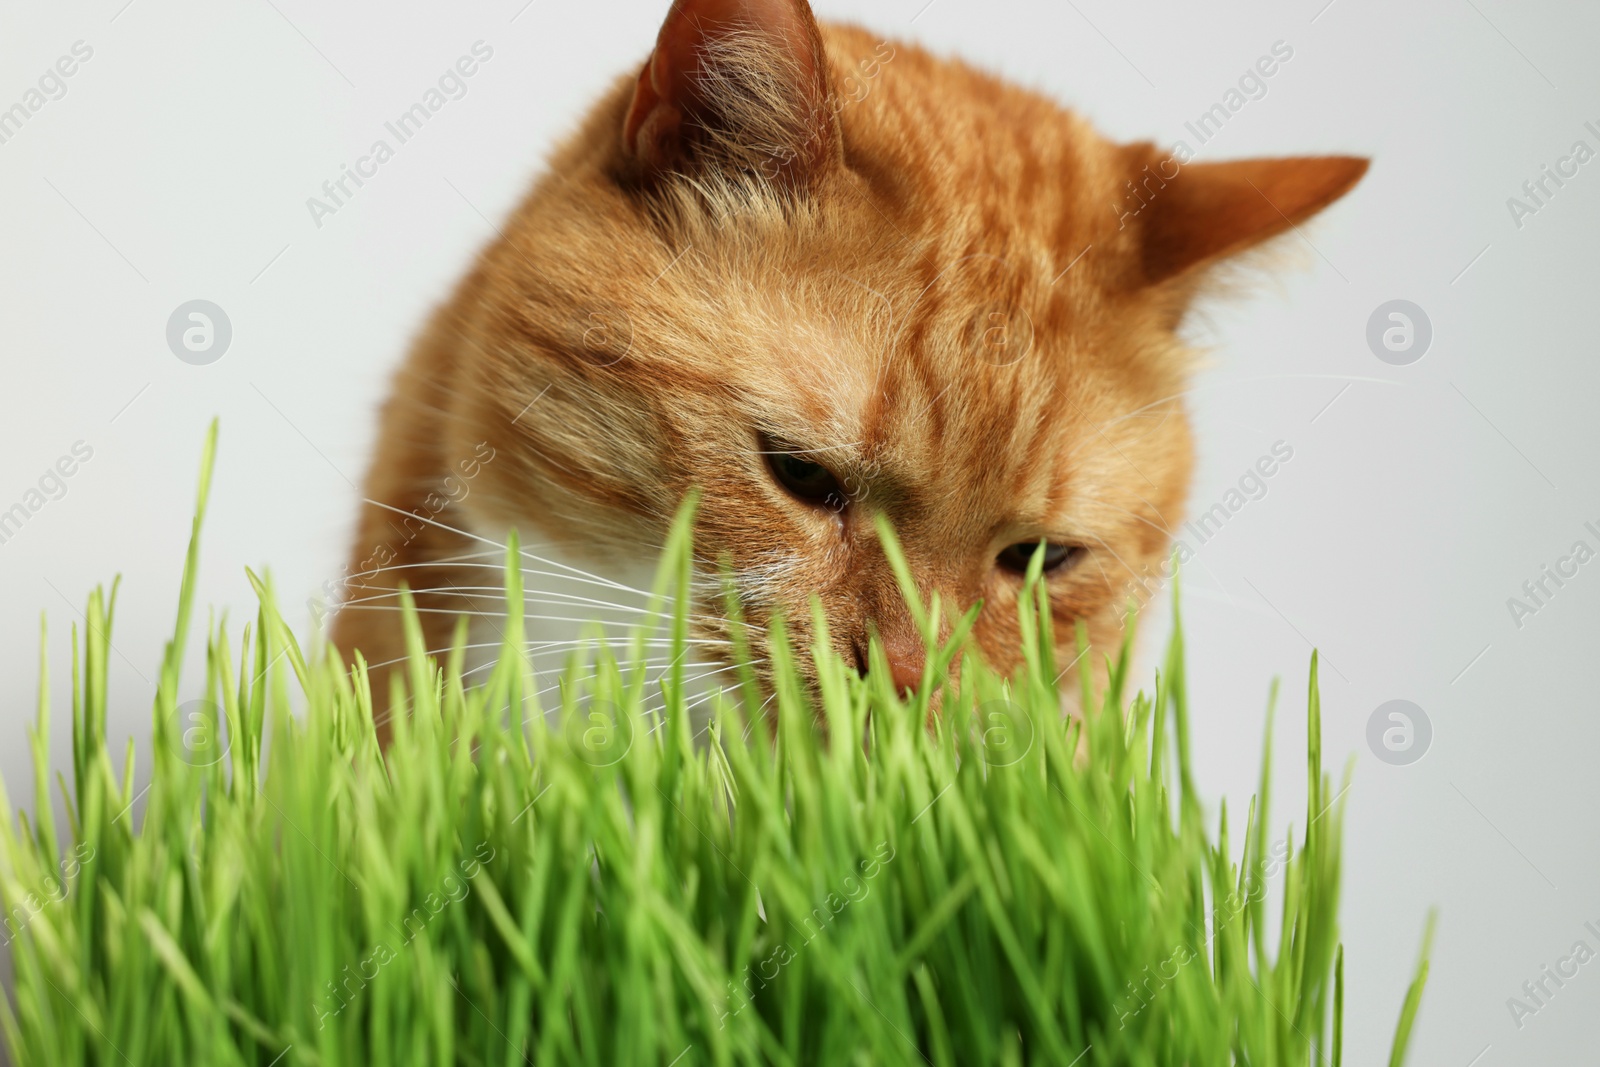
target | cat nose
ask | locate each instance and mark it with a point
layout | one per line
(906, 658)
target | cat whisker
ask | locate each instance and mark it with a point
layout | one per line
(1231, 382)
(750, 724)
(592, 677)
(498, 592)
(1133, 572)
(574, 572)
(689, 706)
(1102, 543)
(530, 653)
(357, 606)
(652, 665)
(1159, 527)
(456, 563)
(658, 666)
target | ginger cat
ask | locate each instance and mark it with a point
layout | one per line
(818, 276)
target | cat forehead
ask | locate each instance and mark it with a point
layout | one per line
(813, 376)
(928, 343)
(884, 385)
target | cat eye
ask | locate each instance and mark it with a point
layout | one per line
(804, 480)
(1016, 558)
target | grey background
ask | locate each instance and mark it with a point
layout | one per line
(1418, 499)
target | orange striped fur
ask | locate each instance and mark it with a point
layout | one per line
(917, 275)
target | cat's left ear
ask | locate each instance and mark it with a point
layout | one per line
(737, 85)
(1190, 215)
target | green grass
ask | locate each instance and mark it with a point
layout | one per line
(497, 891)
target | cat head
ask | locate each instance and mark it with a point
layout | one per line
(819, 276)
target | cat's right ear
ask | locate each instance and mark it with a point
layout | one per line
(1191, 215)
(734, 85)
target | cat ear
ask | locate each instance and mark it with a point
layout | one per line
(1192, 214)
(737, 85)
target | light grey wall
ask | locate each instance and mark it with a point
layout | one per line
(1418, 500)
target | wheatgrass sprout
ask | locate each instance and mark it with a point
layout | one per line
(585, 883)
